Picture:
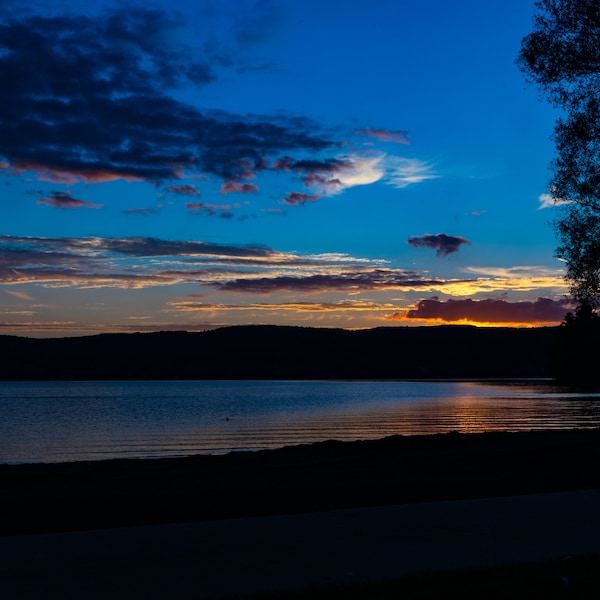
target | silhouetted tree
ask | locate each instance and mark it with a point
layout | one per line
(562, 57)
(573, 361)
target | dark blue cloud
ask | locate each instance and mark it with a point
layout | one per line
(91, 99)
(443, 243)
(372, 279)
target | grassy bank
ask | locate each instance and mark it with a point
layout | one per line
(40, 498)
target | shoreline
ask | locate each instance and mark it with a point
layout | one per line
(128, 431)
(54, 497)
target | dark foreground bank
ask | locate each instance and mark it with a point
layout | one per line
(298, 479)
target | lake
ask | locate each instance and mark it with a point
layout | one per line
(93, 420)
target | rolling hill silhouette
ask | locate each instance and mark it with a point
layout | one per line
(282, 352)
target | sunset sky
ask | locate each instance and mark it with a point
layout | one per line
(196, 164)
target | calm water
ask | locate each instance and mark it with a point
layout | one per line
(65, 421)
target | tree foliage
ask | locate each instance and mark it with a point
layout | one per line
(579, 234)
(562, 58)
(561, 55)
(572, 362)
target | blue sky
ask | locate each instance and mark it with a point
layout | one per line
(190, 165)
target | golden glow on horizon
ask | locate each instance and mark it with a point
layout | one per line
(516, 324)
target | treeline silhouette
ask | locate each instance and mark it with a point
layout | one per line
(282, 352)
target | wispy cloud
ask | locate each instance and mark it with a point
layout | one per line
(251, 269)
(362, 280)
(385, 135)
(20, 295)
(144, 212)
(184, 190)
(520, 277)
(335, 175)
(403, 172)
(65, 200)
(310, 307)
(149, 262)
(210, 210)
(225, 278)
(549, 201)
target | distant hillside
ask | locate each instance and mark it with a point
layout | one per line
(272, 352)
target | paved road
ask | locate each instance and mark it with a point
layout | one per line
(209, 560)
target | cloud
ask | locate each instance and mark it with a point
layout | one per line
(98, 262)
(363, 280)
(385, 135)
(45, 249)
(312, 166)
(95, 98)
(230, 187)
(403, 172)
(549, 201)
(65, 200)
(336, 174)
(20, 295)
(313, 307)
(144, 212)
(268, 282)
(520, 277)
(204, 208)
(87, 99)
(443, 244)
(363, 171)
(184, 190)
(294, 198)
(542, 310)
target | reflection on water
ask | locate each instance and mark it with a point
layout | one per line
(63, 421)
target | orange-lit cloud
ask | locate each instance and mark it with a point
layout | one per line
(518, 278)
(62, 174)
(229, 278)
(312, 307)
(540, 311)
(20, 295)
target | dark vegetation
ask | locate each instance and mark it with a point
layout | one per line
(575, 362)
(295, 479)
(544, 580)
(561, 57)
(270, 352)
